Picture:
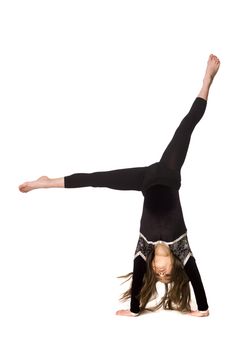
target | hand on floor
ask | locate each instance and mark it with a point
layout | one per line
(199, 313)
(125, 313)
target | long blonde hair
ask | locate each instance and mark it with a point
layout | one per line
(177, 290)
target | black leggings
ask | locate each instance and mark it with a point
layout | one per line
(133, 178)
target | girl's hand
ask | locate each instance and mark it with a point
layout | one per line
(125, 313)
(199, 313)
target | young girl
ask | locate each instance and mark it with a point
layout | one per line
(163, 252)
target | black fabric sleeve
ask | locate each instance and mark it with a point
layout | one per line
(195, 279)
(121, 179)
(139, 270)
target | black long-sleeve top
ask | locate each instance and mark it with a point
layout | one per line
(162, 217)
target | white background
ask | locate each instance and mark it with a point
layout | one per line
(101, 85)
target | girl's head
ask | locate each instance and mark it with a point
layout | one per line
(163, 266)
(161, 262)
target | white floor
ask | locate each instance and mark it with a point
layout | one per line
(59, 288)
(100, 85)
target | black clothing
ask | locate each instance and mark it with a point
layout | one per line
(162, 217)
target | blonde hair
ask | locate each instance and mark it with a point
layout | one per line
(177, 290)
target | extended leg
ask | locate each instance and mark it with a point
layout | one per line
(121, 179)
(175, 153)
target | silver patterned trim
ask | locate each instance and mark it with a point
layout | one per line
(141, 254)
(168, 243)
(179, 247)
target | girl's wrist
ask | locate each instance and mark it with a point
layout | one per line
(134, 313)
(204, 312)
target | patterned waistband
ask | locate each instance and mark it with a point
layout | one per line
(179, 247)
(160, 241)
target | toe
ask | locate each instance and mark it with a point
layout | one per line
(21, 188)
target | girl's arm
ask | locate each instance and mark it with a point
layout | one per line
(139, 270)
(196, 282)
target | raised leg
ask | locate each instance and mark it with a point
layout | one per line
(176, 151)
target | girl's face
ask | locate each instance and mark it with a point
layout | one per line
(162, 262)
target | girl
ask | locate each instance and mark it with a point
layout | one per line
(163, 252)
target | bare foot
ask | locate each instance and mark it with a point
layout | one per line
(42, 182)
(213, 66)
